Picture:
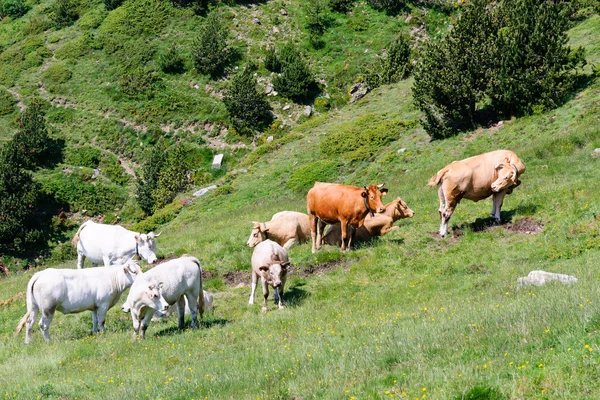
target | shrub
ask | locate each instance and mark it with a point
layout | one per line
(112, 169)
(84, 156)
(271, 62)
(389, 6)
(92, 19)
(64, 12)
(7, 102)
(161, 217)
(173, 177)
(73, 49)
(36, 25)
(112, 4)
(56, 74)
(302, 179)
(315, 16)
(171, 61)
(135, 18)
(341, 5)
(210, 51)
(296, 81)
(249, 110)
(14, 8)
(393, 66)
(147, 181)
(139, 82)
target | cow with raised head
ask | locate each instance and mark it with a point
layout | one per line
(330, 203)
(175, 281)
(112, 244)
(73, 291)
(286, 228)
(493, 174)
(269, 262)
(377, 225)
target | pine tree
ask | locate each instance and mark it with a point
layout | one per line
(173, 177)
(249, 109)
(148, 181)
(210, 52)
(31, 146)
(296, 81)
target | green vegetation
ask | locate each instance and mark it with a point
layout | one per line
(210, 51)
(407, 316)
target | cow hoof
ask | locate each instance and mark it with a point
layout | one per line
(264, 310)
(250, 303)
(281, 307)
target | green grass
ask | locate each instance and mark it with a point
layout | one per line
(407, 316)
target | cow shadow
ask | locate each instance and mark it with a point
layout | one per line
(295, 296)
(204, 324)
(506, 217)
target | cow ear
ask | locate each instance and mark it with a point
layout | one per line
(364, 194)
(498, 166)
(126, 268)
(274, 257)
(137, 237)
(263, 268)
(160, 285)
(384, 191)
(151, 235)
(285, 265)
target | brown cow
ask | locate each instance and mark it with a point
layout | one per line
(286, 228)
(376, 225)
(490, 174)
(329, 203)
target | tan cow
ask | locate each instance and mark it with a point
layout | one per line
(376, 225)
(286, 228)
(269, 263)
(490, 174)
(330, 203)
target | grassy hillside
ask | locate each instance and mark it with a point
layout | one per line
(407, 316)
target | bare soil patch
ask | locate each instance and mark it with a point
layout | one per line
(525, 225)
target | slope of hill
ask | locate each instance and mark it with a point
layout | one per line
(407, 316)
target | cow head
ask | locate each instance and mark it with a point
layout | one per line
(146, 246)
(507, 176)
(154, 294)
(401, 210)
(372, 197)
(132, 270)
(274, 271)
(258, 234)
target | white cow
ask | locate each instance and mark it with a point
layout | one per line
(176, 281)
(72, 291)
(208, 307)
(270, 262)
(112, 244)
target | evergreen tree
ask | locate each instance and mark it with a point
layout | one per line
(173, 177)
(31, 147)
(249, 109)
(296, 81)
(210, 52)
(147, 183)
(535, 65)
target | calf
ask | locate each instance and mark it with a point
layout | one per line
(174, 281)
(286, 228)
(376, 225)
(329, 203)
(72, 291)
(269, 262)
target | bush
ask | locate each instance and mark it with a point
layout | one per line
(7, 102)
(36, 25)
(272, 63)
(147, 181)
(173, 177)
(56, 74)
(14, 8)
(135, 18)
(64, 12)
(296, 81)
(112, 169)
(92, 19)
(171, 61)
(84, 156)
(389, 6)
(302, 179)
(141, 81)
(249, 110)
(342, 6)
(112, 4)
(210, 51)
(393, 66)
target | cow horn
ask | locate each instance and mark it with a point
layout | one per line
(158, 234)
(380, 186)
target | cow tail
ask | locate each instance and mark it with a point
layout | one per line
(76, 237)
(201, 291)
(435, 180)
(29, 304)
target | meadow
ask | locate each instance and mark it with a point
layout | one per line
(409, 316)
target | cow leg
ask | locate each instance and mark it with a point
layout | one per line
(313, 231)
(146, 322)
(344, 228)
(289, 243)
(279, 292)
(30, 322)
(193, 303)
(265, 289)
(45, 322)
(181, 309)
(497, 200)
(101, 315)
(94, 321)
(253, 287)
(80, 260)
(106, 261)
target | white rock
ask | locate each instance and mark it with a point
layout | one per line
(217, 161)
(402, 150)
(269, 139)
(203, 191)
(596, 153)
(539, 278)
(286, 107)
(307, 111)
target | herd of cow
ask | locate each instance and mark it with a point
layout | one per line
(354, 213)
